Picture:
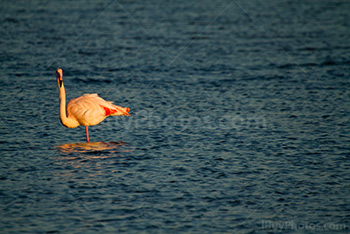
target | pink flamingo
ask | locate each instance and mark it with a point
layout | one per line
(87, 110)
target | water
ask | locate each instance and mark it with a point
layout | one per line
(239, 117)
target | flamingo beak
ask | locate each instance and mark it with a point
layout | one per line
(61, 82)
(59, 78)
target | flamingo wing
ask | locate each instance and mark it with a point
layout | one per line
(90, 109)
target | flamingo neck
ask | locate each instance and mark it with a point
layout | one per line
(65, 119)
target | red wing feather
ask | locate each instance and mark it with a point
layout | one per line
(109, 111)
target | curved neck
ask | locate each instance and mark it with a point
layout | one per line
(65, 120)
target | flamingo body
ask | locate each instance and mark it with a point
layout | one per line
(90, 109)
(87, 110)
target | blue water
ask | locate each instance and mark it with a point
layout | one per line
(239, 117)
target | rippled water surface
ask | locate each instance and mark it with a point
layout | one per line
(239, 117)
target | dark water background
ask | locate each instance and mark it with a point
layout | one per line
(240, 117)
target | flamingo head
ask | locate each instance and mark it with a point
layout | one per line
(59, 76)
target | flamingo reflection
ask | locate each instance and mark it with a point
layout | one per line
(92, 147)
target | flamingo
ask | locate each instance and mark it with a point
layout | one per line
(87, 110)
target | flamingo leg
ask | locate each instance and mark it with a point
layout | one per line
(87, 134)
